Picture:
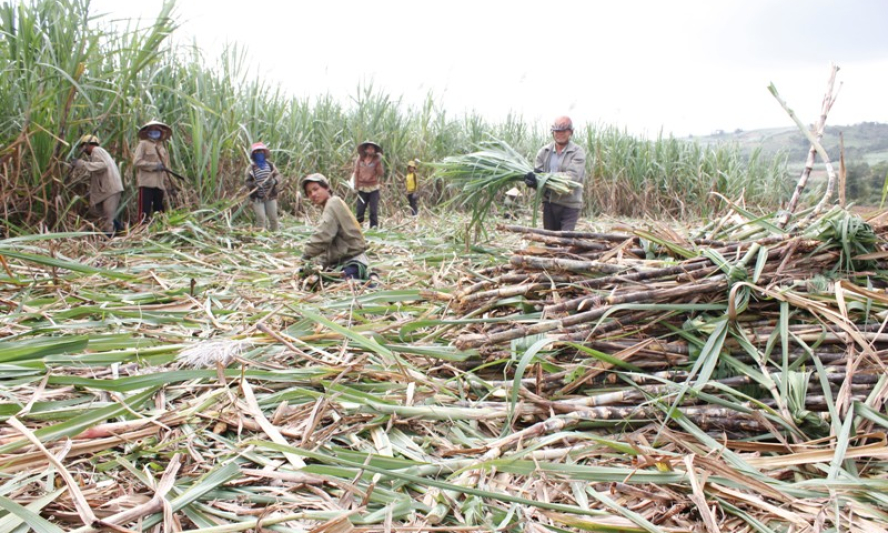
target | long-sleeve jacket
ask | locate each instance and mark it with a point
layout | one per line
(104, 176)
(368, 175)
(338, 236)
(265, 188)
(573, 165)
(148, 154)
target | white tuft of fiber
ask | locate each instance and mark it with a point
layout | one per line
(209, 353)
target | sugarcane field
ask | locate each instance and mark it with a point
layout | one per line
(224, 308)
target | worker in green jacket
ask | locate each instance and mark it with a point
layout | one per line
(338, 240)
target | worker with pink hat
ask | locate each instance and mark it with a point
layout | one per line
(263, 181)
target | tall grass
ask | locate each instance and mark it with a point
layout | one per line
(67, 72)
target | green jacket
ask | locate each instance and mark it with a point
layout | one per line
(338, 236)
(573, 165)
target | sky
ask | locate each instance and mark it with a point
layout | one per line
(679, 67)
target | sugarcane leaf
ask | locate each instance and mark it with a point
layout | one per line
(12, 521)
(760, 264)
(423, 481)
(82, 422)
(525, 360)
(63, 264)
(185, 500)
(604, 357)
(709, 355)
(843, 441)
(35, 521)
(40, 348)
(634, 517)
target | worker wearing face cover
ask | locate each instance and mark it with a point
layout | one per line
(263, 180)
(151, 160)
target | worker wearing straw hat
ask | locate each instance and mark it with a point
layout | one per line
(410, 181)
(512, 204)
(368, 174)
(263, 180)
(562, 156)
(105, 185)
(337, 240)
(151, 160)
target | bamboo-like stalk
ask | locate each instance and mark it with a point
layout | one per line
(592, 236)
(814, 138)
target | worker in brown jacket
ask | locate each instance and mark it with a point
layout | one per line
(368, 180)
(105, 185)
(338, 240)
(561, 212)
(150, 161)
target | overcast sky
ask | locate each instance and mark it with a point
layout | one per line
(683, 66)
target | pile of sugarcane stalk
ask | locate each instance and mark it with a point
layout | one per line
(679, 313)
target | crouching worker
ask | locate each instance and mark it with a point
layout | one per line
(338, 240)
(105, 185)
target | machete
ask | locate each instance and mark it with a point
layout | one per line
(175, 174)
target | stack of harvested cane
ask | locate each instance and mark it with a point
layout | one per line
(671, 314)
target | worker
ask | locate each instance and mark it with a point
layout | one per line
(105, 185)
(368, 174)
(410, 181)
(512, 204)
(263, 180)
(562, 156)
(151, 161)
(337, 240)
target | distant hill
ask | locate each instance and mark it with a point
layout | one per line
(866, 142)
(866, 154)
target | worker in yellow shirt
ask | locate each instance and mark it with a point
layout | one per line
(410, 181)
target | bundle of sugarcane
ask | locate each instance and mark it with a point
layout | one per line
(480, 176)
(569, 297)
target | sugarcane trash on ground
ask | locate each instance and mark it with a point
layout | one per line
(641, 380)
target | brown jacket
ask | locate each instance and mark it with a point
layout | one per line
(338, 236)
(148, 154)
(104, 176)
(368, 175)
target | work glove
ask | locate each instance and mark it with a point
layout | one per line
(77, 163)
(159, 167)
(530, 180)
(306, 269)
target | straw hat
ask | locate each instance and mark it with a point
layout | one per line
(365, 144)
(165, 131)
(89, 139)
(260, 147)
(411, 163)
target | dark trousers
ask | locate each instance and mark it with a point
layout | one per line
(559, 218)
(368, 199)
(411, 197)
(150, 201)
